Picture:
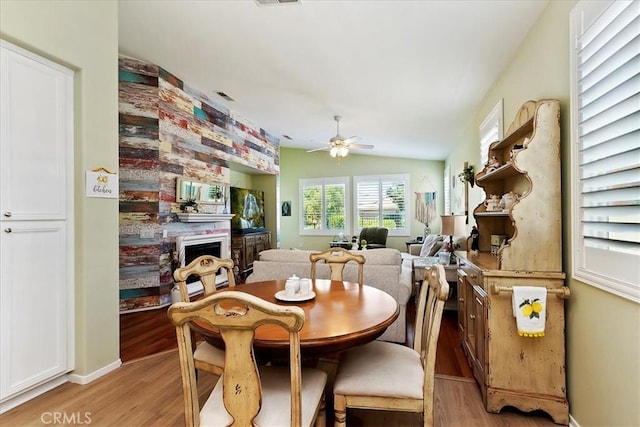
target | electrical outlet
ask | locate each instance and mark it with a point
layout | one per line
(146, 233)
(164, 234)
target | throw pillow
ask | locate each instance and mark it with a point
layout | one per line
(436, 248)
(428, 244)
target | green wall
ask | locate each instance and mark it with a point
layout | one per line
(603, 330)
(425, 175)
(84, 36)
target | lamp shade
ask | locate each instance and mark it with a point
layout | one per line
(454, 225)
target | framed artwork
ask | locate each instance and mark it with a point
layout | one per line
(286, 208)
(457, 195)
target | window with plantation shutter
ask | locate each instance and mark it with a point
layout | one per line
(382, 201)
(447, 190)
(325, 210)
(605, 133)
(490, 132)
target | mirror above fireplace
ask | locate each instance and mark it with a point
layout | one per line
(212, 193)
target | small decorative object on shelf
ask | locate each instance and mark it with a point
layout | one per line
(363, 244)
(475, 234)
(493, 203)
(189, 206)
(467, 175)
(508, 199)
(493, 163)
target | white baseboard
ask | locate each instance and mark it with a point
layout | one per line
(32, 393)
(573, 422)
(86, 379)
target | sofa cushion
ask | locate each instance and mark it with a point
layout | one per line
(382, 256)
(286, 255)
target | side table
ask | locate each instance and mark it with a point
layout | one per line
(411, 242)
(343, 244)
(451, 272)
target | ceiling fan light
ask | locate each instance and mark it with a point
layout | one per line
(333, 151)
(343, 151)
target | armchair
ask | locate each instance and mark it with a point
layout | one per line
(376, 237)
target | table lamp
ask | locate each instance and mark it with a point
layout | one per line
(453, 225)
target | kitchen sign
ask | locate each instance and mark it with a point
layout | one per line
(101, 183)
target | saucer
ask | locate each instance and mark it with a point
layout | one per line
(282, 296)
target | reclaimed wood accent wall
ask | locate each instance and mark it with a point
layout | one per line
(167, 130)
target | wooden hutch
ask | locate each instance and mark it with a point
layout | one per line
(523, 372)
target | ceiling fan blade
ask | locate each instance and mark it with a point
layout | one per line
(317, 149)
(367, 146)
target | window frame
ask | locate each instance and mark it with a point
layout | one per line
(406, 231)
(323, 182)
(601, 272)
(494, 120)
(447, 189)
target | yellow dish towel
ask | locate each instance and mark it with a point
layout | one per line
(529, 309)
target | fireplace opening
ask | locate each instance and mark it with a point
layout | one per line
(192, 252)
(190, 248)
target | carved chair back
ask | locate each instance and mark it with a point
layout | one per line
(337, 258)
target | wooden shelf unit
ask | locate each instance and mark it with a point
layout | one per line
(523, 372)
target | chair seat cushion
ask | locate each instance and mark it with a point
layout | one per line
(208, 353)
(380, 369)
(276, 398)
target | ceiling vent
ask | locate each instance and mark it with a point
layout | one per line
(270, 2)
(225, 96)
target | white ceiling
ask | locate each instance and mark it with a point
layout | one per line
(405, 76)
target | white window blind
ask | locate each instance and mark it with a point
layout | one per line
(382, 201)
(447, 190)
(324, 206)
(605, 132)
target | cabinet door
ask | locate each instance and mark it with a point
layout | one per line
(262, 243)
(36, 133)
(35, 305)
(249, 251)
(470, 330)
(479, 311)
(462, 308)
(36, 220)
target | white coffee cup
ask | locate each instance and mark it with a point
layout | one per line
(290, 287)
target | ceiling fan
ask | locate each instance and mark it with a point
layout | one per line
(338, 145)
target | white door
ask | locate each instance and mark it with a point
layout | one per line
(36, 222)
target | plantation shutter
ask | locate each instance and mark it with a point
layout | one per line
(607, 152)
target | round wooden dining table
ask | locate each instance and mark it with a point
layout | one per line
(340, 316)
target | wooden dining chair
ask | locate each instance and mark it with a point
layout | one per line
(247, 395)
(337, 258)
(207, 357)
(388, 376)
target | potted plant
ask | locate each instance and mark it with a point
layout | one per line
(363, 244)
(467, 175)
(190, 205)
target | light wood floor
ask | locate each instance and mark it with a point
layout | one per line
(147, 392)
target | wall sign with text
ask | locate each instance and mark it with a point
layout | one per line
(102, 183)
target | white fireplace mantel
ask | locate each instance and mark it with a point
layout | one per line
(204, 217)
